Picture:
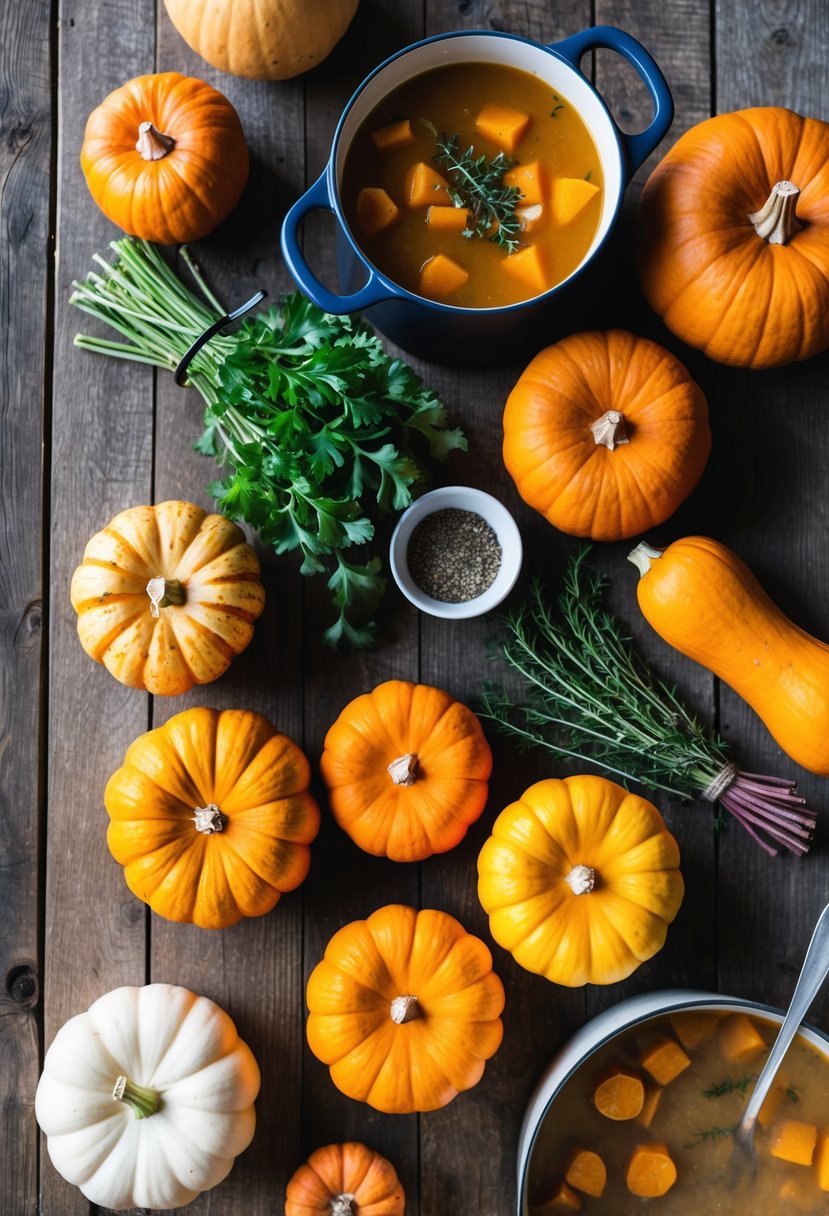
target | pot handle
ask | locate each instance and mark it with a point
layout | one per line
(637, 147)
(317, 198)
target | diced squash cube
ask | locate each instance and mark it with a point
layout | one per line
(664, 1059)
(797, 1196)
(570, 196)
(376, 210)
(794, 1141)
(693, 1028)
(529, 266)
(395, 135)
(440, 276)
(822, 1160)
(771, 1106)
(653, 1096)
(587, 1173)
(530, 218)
(505, 127)
(739, 1038)
(619, 1093)
(424, 186)
(530, 179)
(651, 1171)
(562, 1199)
(447, 219)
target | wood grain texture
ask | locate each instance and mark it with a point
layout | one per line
(770, 487)
(253, 970)
(25, 198)
(346, 884)
(101, 463)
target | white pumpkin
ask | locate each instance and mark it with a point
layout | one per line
(147, 1098)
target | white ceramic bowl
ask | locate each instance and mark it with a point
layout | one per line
(463, 498)
(606, 1026)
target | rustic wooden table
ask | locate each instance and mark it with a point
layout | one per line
(83, 437)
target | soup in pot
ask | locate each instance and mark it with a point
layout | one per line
(475, 184)
(645, 1125)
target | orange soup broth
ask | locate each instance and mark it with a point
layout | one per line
(684, 1113)
(450, 98)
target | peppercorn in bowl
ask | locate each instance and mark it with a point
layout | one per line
(456, 552)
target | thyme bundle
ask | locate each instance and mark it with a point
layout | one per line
(590, 696)
(476, 183)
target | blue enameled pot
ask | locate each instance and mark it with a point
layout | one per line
(442, 332)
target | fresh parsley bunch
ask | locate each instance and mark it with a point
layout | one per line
(316, 427)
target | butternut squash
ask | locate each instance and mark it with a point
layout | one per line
(503, 125)
(794, 1141)
(703, 600)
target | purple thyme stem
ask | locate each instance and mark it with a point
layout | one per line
(779, 794)
(764, 780)
(806, 820)
(735, 811)
(783, 837)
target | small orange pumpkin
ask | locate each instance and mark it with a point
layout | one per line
(166, 596)
(734, 237)
(165, 158)
(211, 818)
(407, 769)
(345, 1180)
(405, 1009)
(605, 434)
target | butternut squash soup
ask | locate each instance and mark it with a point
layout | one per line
(474, 184)
(645, 1125)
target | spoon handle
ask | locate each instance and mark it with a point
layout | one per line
(812, 974)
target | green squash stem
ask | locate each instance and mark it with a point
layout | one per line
(144, 1101)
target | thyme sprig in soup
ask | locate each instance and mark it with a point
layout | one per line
(476, 185)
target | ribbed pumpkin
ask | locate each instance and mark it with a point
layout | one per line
(166, 596)
(605, 434)
(407, 768)
(703, 600)
(345, 1180)
(405, 1009)
(165, 157)
(211, 818)
(734, 237)
(580, 880)
(262, 39)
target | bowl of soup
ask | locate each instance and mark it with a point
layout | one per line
(476, 178)
(636, 1114)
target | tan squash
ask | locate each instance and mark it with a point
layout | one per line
(262, 39)
(166, 596)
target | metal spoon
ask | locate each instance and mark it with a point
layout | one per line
(812, 974)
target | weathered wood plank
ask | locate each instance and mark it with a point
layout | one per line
(346, 884)
(770, 491)
(454, 1174)
(101, 463)
(25, 194)
(678, 39)
(253, 970)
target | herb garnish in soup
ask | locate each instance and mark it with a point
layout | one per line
(474, 184)
(645, 1125)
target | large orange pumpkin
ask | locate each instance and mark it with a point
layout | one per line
(734, 237)
(166, 596)
(211, 818)
(407, 768)
(605, 434)
(405, 1009)
(345, 1180)
(165, 157)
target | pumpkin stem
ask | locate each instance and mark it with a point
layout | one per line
(143, 1101)
(642, 556)
(343, 1205)
(776, 221)
(165, 591)
(609, 430)
(404, 1009)
(581, 880)
(208, 819)
(152, 144)
(403, 770)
